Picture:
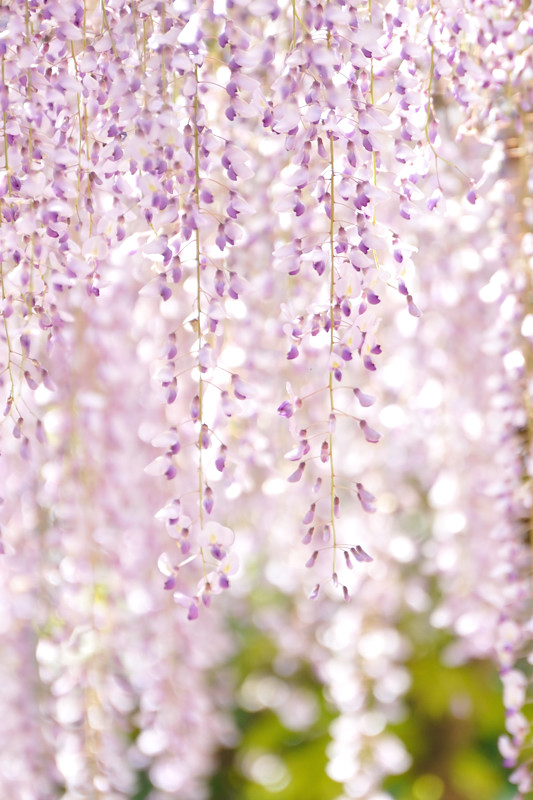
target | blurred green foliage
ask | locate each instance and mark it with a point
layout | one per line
(267, 748)
(453, 717)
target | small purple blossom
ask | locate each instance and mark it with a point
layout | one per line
(307, 537)
(364, 399)
(285, 409)
(297, 474)
(368, 363)
(208, 499)
(369, 433)
(293, 352)
(359, 554)
(412, 308)
(195, 407)
(309, 516)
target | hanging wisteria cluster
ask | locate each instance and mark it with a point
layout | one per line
(220, 225)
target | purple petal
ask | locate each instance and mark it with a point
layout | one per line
(364, 399)
(370, 434)
(306, 539)
(402, 288)
(297, 474)
(223, 581)
(412, 308)
(309, 515)
(363, 556)
(368, 363)
(208, 500)
(285, 409)
(293, 353)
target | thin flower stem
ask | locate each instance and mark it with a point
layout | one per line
(374, 162)
(6, 157)
(296, 17)
(523, 156)
(28, 79)
(198, 299)
(27, 21)
(331, 340)
(374, 159)
(108, 29)
(86, 121)
(75, 66)
(8, 340)
(164, 81)
(85, 132)
(145, 40)
(437, 155)
(32, 267)
(430, 86)
(293, 23)
(80, 149)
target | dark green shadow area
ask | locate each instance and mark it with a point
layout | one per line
(454, 716)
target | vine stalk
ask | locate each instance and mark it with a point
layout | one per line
(331, 341)
(198, 297)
